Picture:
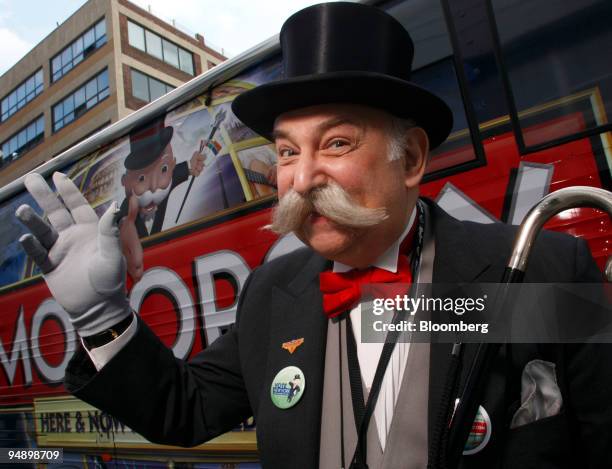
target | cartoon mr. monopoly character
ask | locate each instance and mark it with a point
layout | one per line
(151, 174)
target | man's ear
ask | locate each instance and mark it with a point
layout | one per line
(123, 180)
(415, 157)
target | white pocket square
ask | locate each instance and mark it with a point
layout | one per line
(540, 393)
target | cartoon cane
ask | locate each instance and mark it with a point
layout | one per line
(218, 119)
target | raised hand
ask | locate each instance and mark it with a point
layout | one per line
(197, 161)
(80, 256)
(130, 241)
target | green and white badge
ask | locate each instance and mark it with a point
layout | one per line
(287, 388)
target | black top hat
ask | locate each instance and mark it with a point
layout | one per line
(147, 143)
(344, 52)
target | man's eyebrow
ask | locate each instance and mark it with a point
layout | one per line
(279, 134)
(324, 126)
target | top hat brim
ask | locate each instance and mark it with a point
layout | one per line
(258, 108)
(149, 152)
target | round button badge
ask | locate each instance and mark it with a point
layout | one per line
(287, 388)
(480, 433)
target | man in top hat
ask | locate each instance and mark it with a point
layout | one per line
(352, 136)
(151, 173)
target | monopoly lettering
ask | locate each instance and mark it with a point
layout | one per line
(25, 346)
(206, 268)
(49, 309)
(166, 280)
(19, 353)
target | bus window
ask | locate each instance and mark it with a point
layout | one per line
(458, 150)
(550, 55)
(434, 69)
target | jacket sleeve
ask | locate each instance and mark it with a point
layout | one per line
(165, 399)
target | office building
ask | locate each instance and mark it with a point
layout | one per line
(108, 59)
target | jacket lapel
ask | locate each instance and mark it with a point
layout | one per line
(458, 259)
(296, 313)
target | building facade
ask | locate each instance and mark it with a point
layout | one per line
(108, 59)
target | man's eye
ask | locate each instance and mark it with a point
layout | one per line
(141, 178)
(164, 169)
(286, 152)
(337, 143)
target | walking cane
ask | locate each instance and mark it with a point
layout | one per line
(471, 394)
(218, 119)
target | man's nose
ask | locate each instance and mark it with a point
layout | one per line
(308, 174)
(154, 181)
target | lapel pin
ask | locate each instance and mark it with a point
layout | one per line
(293, 344)
(288, 387)
(480, 433)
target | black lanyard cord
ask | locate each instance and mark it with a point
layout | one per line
(437, 449)
(342, 462)
(354, 376)
(363, 412)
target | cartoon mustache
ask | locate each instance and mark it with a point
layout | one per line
(330, 201)
(157, 197)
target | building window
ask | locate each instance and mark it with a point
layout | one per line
(154, 45)
(24, 139)
(22, 94)
(160, 48)
(80, 101)
(147, 88)
(136, 36)
(78, 50)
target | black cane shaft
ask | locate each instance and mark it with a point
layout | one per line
(469, 401)
(212, 133)
(472, 392)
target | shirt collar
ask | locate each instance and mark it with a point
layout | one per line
(388, 259)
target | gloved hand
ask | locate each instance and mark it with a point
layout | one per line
(79, 256)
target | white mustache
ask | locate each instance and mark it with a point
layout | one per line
(330, 201)
(157, 197)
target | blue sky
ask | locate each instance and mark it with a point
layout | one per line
(234, 25)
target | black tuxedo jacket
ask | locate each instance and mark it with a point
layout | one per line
(179, 175)
(175, 402)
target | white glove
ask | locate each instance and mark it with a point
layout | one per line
(79, 256)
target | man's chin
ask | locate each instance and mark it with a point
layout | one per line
(329, 240)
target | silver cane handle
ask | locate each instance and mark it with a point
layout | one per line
(548, 207)
(608, 269)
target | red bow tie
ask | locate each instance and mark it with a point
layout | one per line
(343, 291)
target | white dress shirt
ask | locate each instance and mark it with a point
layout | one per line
(368, 354)
(100, 356)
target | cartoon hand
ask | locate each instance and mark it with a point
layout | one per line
(79, 255)
(196, 164)
(130, 242)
